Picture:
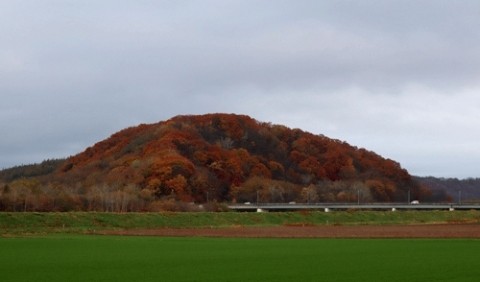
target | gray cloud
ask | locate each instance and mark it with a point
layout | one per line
(396, 77)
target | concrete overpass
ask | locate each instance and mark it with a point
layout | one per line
(327, 207)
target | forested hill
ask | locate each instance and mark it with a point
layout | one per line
(227, 157)
(33, 170)
(457, 190)
(188, 155)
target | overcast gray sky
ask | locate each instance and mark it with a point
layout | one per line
(401, 78)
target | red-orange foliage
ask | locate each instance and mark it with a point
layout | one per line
(195, 156)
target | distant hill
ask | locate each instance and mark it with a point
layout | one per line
(221, 157)
(455, 190)
(33, 170)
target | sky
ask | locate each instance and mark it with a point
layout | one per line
(400, 78)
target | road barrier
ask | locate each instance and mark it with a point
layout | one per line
(327, 207)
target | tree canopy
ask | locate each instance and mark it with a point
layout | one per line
(228, 157)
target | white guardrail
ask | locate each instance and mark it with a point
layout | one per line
(349, 206)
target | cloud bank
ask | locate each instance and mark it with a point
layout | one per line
(400, 78)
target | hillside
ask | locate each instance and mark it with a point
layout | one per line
(217, 157)
(33, 170)
(456, 190)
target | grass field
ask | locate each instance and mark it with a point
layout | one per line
(13, 224)
(103, 258)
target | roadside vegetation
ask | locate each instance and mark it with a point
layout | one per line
(14, 224)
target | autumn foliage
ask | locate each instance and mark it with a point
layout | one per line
(227, 157)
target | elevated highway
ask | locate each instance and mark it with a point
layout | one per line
(327, 207)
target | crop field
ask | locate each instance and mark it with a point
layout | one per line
(121, 258)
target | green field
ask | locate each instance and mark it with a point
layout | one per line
(104, 258)
(14, 224)
(51, 247)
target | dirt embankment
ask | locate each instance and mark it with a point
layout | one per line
(363, 231)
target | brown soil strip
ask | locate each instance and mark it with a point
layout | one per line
(364, 231)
